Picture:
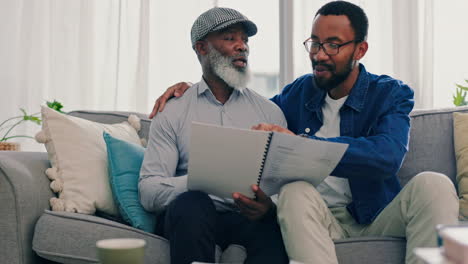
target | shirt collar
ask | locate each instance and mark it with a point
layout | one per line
(203, 87)
(355, 99)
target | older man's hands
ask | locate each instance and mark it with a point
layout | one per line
(254, 209)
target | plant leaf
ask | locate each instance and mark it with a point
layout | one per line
(57, 106)
(34, 119)
(459, 97)
(465, 88)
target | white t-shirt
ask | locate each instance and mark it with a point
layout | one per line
(334, 190)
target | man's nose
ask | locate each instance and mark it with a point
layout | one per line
(241, 45)
(321, 55)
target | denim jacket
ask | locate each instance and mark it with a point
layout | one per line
(374, 122)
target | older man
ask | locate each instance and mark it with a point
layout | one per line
(193, 221)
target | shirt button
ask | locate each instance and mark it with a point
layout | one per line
(307, 130)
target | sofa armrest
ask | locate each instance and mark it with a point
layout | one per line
(24, 195)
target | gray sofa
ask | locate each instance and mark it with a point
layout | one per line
(30, 233)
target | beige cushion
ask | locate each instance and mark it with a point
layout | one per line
(78, 156)
(460, 130)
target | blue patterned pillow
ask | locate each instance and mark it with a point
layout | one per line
(125, 160)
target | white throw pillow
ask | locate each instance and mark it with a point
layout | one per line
(78, 156)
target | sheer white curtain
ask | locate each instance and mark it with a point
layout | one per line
(120, 54)
(413, 52)
(86, 54)
(111, 54)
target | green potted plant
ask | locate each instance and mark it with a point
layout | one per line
(459, 99)
(7, 126)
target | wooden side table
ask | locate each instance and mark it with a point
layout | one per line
(9, 146)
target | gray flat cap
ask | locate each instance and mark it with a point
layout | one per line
(218, 18)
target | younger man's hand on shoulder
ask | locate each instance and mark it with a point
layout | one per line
(176, 90)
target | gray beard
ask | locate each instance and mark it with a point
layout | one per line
(223, 68)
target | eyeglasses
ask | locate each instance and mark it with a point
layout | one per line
(329, 48)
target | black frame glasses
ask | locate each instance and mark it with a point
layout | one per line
(328, 47)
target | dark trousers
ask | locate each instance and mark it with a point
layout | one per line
(194, 228)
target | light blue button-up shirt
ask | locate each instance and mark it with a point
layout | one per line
(163, 174)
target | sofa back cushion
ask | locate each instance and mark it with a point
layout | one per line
(431, 139)
(431, 144)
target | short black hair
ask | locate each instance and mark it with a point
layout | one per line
(355, 14)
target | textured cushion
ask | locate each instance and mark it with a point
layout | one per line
(112, 117)
(124, 168)
(460, 134)
(78, 156)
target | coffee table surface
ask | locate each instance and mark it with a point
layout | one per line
(432, 255)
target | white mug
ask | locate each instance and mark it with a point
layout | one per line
(121, 251)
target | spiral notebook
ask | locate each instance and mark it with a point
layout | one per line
(224, 160)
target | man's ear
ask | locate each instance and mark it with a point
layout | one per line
(361, 50)
(201, 47)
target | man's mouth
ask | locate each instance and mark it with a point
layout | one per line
(240, 62)
(321, 70)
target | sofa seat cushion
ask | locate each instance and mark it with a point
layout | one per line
(370, 250)
(71, 238)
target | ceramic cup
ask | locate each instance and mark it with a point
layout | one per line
(121, 251)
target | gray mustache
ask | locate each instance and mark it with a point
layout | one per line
(241, 54)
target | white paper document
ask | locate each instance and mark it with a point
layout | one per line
(225, 160)
(293, 158)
